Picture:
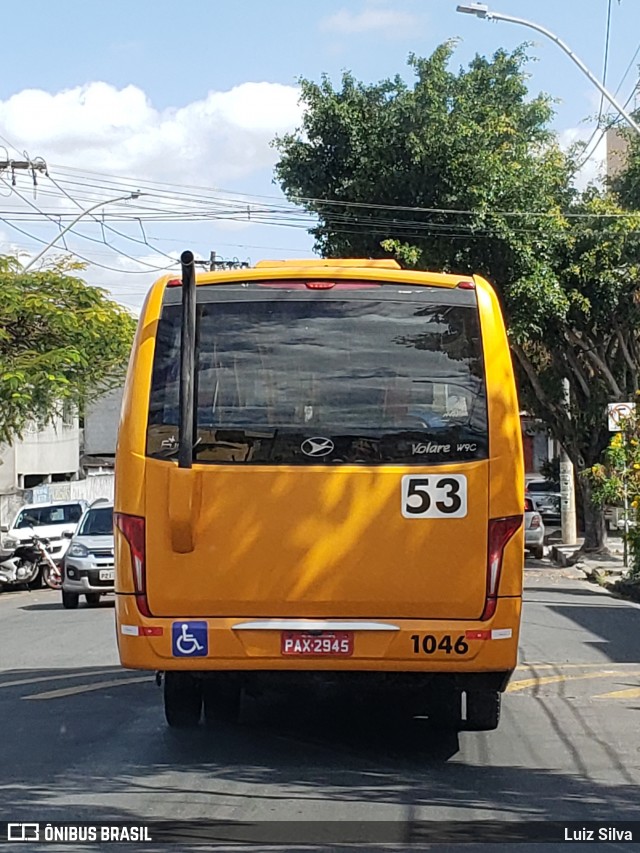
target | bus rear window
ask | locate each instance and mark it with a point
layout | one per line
(385, 375)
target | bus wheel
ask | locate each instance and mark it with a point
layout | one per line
(445, 711)
(221, 702)
(182, 699)
(483, 710)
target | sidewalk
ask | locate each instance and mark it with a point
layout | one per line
(609, 572)
(562, 554)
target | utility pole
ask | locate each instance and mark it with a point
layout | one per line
(33, 166)
(221, 264)
(567, 483)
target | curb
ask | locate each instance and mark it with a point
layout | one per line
(562, 555)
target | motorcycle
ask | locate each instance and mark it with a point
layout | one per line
(31, 564)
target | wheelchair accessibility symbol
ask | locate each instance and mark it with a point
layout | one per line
(189, 639)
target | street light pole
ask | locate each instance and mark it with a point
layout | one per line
(77, 219)
(481, 10)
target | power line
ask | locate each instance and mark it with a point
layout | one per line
(606, 59)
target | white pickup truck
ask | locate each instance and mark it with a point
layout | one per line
(48, 520)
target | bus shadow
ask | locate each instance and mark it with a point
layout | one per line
(349, 725)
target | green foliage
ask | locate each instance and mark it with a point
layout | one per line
(382, 166)
(469, 141)
(550, 469)
(619, 474)
(60, 341)
(626, 183)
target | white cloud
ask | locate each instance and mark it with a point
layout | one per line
(218, 139)
(389, 22)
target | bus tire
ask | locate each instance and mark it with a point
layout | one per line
(93, 599)
(445, 711)
(221, 702)
(483, 710)
(182, 700)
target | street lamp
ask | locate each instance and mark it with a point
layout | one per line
(481, 10)
(78, 217)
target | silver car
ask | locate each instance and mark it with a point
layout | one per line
(533, 530)
(88, 567)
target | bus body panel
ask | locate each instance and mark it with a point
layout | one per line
(332, 541)
(506, 472)
(384, 651)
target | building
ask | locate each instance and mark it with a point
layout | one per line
(101, 421)
(43, 455)
(617, 145)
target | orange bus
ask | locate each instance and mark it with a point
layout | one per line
(319, 479)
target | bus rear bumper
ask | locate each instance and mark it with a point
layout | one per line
(334, 645)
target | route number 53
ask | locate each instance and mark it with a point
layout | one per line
(434, 496)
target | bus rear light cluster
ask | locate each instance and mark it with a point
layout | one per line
(501, 530)
(132, 528)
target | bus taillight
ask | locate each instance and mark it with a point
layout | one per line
(132, 528)
(500, 532)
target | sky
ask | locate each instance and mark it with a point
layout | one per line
(181, 101)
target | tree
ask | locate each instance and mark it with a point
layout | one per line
(594, 343)
(626, 182)
(60, 341)
(616, 481)
(461, 172)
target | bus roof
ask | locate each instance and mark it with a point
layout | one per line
(381, 270)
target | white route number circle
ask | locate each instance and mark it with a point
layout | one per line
(617, 412)
(434, 496)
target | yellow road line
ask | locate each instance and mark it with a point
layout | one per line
(88, 688)
(515, 686)
(44, 678)
(628, 693)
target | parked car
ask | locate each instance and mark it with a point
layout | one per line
(533, 530)
(546, 498)
(88, 567)
(49, 521)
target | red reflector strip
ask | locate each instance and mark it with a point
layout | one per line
(174, 282)
(477, 635)
(142, 630)
(493, 634)
(466, 285)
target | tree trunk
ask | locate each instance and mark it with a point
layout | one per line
(595, 530)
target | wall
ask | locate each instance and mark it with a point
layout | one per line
(55, 449)
(93, 487)
(52, 450)
(101, 424)
(8, 476)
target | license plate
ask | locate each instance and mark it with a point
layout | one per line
(107, 574)
(318, 644)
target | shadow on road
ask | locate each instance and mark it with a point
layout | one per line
(616, 625)
(57, 605)
(108, 755)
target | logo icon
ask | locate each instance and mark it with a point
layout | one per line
(190, 639)
(317, 446)
(23, 832)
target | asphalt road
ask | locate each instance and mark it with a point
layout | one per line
(82, 739)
